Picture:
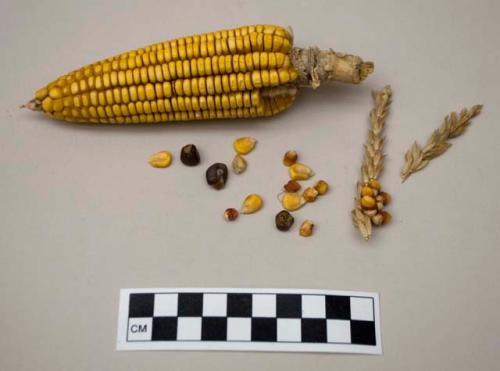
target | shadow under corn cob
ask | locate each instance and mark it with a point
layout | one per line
(251, 71)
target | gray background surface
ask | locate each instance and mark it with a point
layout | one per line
(83, 215)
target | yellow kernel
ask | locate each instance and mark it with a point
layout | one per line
(321, 186)
(284, 76)
(292, 201)
(47, 104)
(375, 184)
(244, 145)
(300, 172)
(368, 202)
(251, 204)
(41, 93)
(55, 93)
(310, 194)
(306, 228)
(367, 191)
(160, 159)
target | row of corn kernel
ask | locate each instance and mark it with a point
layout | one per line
(211, 102)
(133, 94)
(234, 82)
(107, 114)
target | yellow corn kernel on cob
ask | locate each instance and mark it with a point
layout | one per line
(250, 71)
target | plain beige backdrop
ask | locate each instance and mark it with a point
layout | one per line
(83, 215)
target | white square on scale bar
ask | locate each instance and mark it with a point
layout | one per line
(289, 330)
(313, 306)
(140, 329)
(338, 331)
(264, 305)
(165, 305)
(362, 309)
(189, 328)
(239, 329)
(214, 305)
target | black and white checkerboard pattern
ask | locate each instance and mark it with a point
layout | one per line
(251, 317)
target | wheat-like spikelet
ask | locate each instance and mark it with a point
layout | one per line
(368, 189)
(454, 125)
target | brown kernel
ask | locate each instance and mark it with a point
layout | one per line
(310, 194)
(292, 186)
(386, 217)
(231, 214)
(368, 202)
(284, 220)
(386, 197)
(290, 158)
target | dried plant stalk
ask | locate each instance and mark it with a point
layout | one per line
(454, 125)
(370, 200)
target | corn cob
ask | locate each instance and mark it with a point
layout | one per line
(251, 71)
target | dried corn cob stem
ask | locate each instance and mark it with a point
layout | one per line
(250, 71)
(370, 199)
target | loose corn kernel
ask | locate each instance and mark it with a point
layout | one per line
(244, 145)
(239, 164)
(306, 228)
(300, 172)
(310, 194)
(290, 157)
(160, 159)
(292, 201)
(251, 204)
(321, 186)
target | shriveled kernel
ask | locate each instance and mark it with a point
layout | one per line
(231, 214)
(386, 217)
(244, 145)
(321, 186)
(300, 172)
(368, 202)
(292, 201)
(284, 220)
(216, 175)
(306, 228)
(377, 219)
(385, 197)
(251, 204)
(292, 186)
(290, 158)
(161, 159)
(239, 164)
(310, 194)
(190, 155)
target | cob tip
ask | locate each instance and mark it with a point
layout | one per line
(33, 105)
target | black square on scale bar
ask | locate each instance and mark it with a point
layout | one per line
(264, 329)
(164, 328)
(239, 305)
(190, 305)
(288, 306)
(141, 305)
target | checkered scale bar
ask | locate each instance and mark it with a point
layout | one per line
(250, 320)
